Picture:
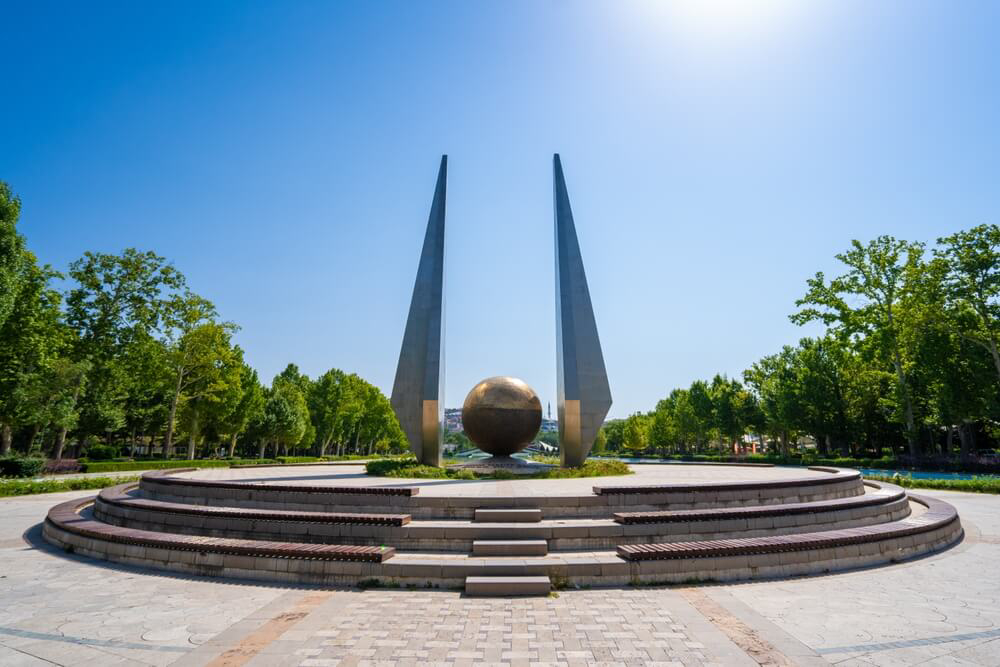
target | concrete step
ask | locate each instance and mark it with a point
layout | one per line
(507, 586)
(510, 548)
(509, 515)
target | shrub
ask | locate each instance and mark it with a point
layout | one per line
(408, 468)
(383, 467)
(101, 452)
(974, 485)
(62, 466)
(590, 468)
(110, 466)
(20, 466)
(24, 487)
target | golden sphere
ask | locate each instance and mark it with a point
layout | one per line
(502, 415)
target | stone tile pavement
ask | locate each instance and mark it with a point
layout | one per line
(59, 609)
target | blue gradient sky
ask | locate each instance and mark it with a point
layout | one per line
(283, 156)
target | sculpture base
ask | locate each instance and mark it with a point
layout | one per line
(507, 464)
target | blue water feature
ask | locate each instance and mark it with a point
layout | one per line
(921, 474)
(915, 474)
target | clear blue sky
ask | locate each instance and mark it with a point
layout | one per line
(283, 156)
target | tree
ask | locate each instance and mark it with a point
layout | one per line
(247, 409)
(205, 367)
(285, 414)
(600, 442)
(31, 338)
(636, 432)
(773, 378)
(973, 285)
(12, 257)
(292, 376)
(702, 411)
(325, 397)
(613, 430)
(662, 427)
(119, 302)
(65, 382)
(864, 304)
(728, 399)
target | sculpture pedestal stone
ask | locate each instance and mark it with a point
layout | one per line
(502, 464)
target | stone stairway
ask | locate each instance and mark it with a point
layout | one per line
(507, 586)
(504, 545)
(521, 545)
(510, 548)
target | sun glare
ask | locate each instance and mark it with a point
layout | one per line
(723, 19)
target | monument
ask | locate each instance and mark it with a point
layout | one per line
(584, 396)
(337, 525)
(502, 415)
(418, 390)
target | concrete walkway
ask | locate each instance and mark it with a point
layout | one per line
(60, 609)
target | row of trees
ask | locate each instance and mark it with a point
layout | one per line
(909, 362)
(129, 357)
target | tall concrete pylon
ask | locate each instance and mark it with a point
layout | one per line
(418, 391)
(583, 393)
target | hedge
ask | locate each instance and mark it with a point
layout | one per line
(20, 466)
(25, 487)
(111, 466)
(809, 459)
(408, 468)
(974, 485)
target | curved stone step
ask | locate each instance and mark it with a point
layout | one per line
(510, 548)
(66, 516)
(507, 586)
(381, 498)
(886, 493)
(723, 560)
(508, 515)
(117, 495)
(834, 483)
(116, 507)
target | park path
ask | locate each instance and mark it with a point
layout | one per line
(60, 609)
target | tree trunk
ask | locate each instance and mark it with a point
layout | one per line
(168, 442)
(232, 445)
(191, 439)
(996, 355)
(784, 443)
(35, 428)
(5, 439)
(57, 451)
(904, 387)
(950, 441)
(963, 437)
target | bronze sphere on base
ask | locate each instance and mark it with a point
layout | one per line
(502, 415)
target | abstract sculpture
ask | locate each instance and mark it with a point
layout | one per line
(583, 394)
(418, 391)
(502, 415)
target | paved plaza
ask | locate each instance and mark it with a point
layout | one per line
(347, 475)
(60, 609)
